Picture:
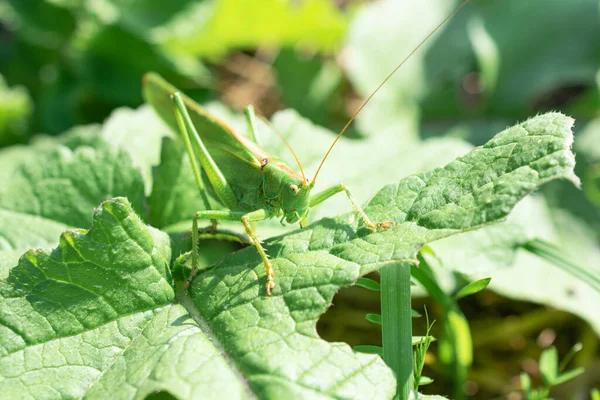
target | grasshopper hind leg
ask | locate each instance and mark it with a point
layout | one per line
(247, 220)
(195, 252)
(251, 231)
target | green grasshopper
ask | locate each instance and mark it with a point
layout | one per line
(252, 184)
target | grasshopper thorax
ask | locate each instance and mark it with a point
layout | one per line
(295, 199)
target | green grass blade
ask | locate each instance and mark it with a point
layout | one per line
(396, 323)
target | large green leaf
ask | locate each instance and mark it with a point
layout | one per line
(97, 316)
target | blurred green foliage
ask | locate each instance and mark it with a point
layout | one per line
(81, 59)
(15, 110)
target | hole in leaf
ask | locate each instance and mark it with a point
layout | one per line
(345, 320)
(161, 395)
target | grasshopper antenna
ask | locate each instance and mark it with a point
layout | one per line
(270, 125)
(437, 28)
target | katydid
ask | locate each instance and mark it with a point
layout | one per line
(252, 184)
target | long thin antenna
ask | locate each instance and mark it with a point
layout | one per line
(464, 3)
(270, 125)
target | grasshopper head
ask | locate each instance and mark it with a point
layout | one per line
(295, 201)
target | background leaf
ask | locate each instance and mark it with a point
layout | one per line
(62, 185)
(139, 133)
(233, 24)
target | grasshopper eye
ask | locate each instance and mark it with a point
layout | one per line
(294, 188)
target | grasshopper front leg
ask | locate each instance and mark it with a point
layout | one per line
(247, 219)
(327, 193)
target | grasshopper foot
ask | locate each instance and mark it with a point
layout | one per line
(270, 281)
(269, 285)
(187, 284)
(383, 225)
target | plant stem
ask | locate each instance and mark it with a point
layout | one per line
(396, 323)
